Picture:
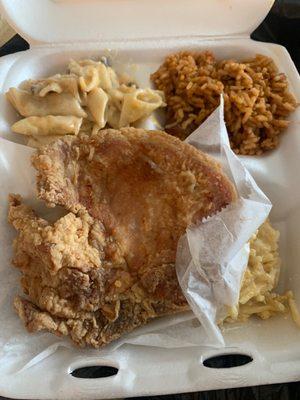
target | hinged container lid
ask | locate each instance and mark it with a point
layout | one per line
(62, 21)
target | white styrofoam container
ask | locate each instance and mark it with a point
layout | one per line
(142, 33)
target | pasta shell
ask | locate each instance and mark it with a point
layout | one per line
(97, 101)
(49, 125)
(139, 104)
(53, 104)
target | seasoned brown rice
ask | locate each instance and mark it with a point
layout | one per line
(257, 100)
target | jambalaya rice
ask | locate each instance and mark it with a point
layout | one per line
(257, 100)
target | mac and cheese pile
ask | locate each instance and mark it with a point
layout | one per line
(261, 278)
(88, 98)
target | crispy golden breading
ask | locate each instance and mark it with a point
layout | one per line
(108, 265)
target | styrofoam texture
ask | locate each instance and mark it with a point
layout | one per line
(273, 344)
(85, 20)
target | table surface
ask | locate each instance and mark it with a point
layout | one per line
(282, 26)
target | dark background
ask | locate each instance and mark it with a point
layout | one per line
(282, 26)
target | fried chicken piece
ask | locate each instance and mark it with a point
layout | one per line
(107, 266)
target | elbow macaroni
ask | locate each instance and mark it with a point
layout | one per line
(257, 296)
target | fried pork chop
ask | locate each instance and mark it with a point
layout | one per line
(107, 266)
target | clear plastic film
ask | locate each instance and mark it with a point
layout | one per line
(212, 256)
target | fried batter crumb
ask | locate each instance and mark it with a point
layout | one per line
(108, 265)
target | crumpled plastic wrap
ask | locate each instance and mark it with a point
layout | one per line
(212, 256)
(211, 259)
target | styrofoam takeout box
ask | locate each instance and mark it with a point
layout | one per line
(141, 33)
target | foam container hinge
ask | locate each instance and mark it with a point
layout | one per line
(273, 344)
